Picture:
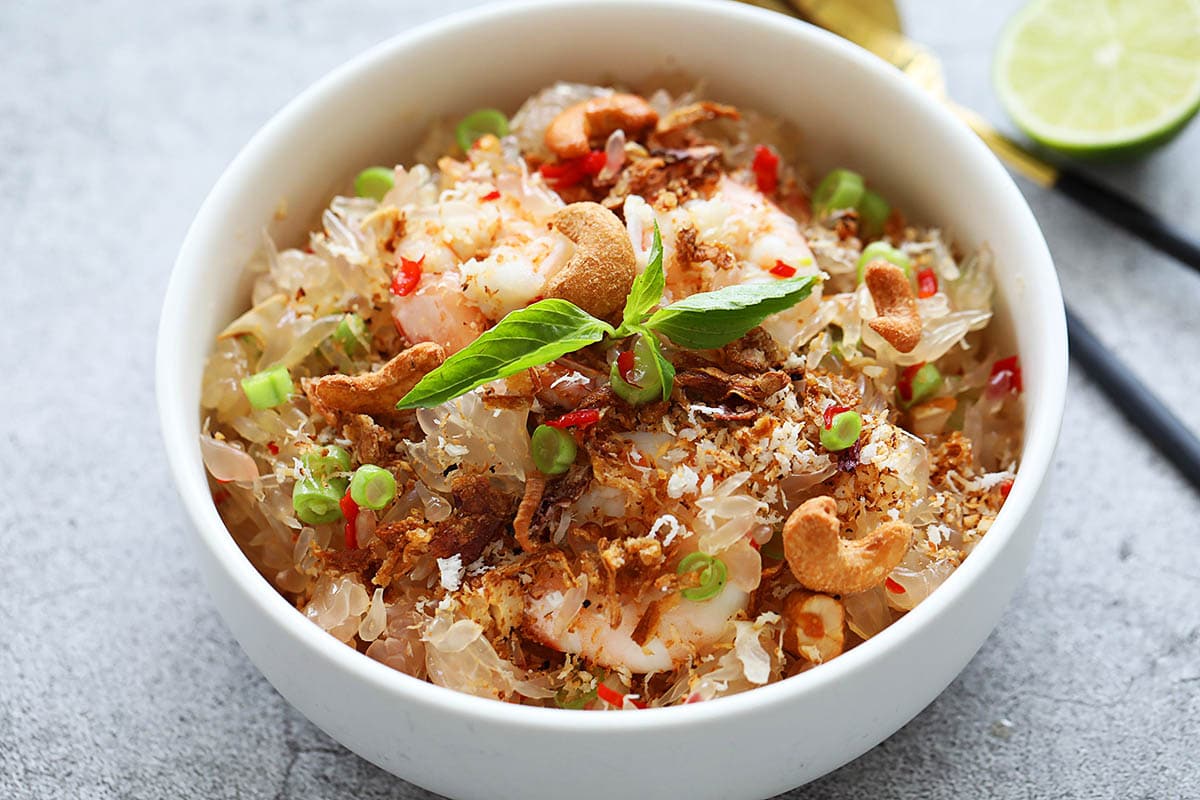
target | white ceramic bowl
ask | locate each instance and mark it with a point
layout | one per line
(853, 110)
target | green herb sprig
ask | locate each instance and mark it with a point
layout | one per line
(550, 329)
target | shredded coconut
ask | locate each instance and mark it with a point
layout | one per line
(451, 570)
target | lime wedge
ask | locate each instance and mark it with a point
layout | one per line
(1101, 78)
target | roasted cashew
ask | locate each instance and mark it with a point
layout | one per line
(572, 132)
(599, 275)
(373, 393)
(899, 321)
(823, 561)
(815, 626)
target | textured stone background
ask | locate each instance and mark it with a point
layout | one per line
(117, 679)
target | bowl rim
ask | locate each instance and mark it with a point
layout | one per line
(175, 407)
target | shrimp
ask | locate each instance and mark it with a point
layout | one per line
(438, 312)
(680, 632)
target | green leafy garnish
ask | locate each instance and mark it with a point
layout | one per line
(550, 329)
(528, 337)
(714, 319)
(647, 289)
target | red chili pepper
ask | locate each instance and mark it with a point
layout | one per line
(582, 419)
(694, 697)
(832, 412)
(625, 365)
(220, 496)
(1005, 488)
(273, 448)
(766, 169)
(894, 587)
(782, 270)
(492, 195)
(350, 511)
(407, 276)
(567, 173)
(615, 698)
(927, 283)
(1006, 375)
(754, 542)
(904, 384)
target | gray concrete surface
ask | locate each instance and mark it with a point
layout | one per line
(117, 679)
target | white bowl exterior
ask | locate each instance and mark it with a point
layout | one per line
(853, 110)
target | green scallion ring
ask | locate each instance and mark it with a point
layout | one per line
(553, 450)
(840, 189)
(925, 384)
(873, 212)
(372, 487)
(712, 576)
(878, 250)
(647, 386)
(268, 388)
(325, 460)
(350, 333)
(478, 124)
(843, 431)
(317, 502)
(375, 182)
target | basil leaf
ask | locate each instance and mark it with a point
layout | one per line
(647, 288)
(528, 337)
(714, 319)
(664, 369)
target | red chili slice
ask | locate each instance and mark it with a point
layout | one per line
(615, 698)
(766, 169)
(904, 383)
(273, 448)
(407, 276)
(1005, 488)
(927, 283)
(625, 365)
(494, 194)
(582, 419)
(894, 587)
(568, 173)
(350, 511)
(832, 412)
(1007, 371)
(782, 270)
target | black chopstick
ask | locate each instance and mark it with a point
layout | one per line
(1144, 410)
(1122, 211)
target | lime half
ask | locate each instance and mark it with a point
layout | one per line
(1102, 78)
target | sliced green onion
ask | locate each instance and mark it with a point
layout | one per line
(553, 450)
(842, 432)
(841, 188)
(873, 212)
(375, 182)
(268, 388)
(877, 250)
(925, 383)
(478, 124)
(326, 460)
(317, 502)
(712, 576)
(564, 699)
(372, 487)
(644, 384)
(350, 333)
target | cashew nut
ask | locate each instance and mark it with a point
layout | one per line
(823, 561)
(374, 393)
(899, 321)
(600, 273)
(572, 132)
(815, 626)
